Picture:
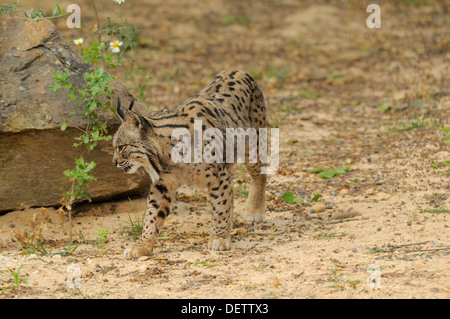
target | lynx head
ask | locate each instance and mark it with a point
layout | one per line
(134, 144)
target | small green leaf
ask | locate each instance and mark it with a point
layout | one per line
(385, 107)
(55, 87)
(93, 106)
(339, 171)
(59, 9)
(327, 174)
(316, 198)
(289, 198)
(335, 75)
(317, 170)
(64, 126)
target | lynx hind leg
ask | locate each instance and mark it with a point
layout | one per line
(255, 206)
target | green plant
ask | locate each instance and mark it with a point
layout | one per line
(441, 164)
(95, 96)
(10, 8)
(317, 170)
(69, 250)
(91, 96)
(84, 295)
(415, 3)
(40, 14)
(385, 107)
(279, 74)
(281, 114)
(128, 35)
(307, 95)
(35, 246)
(241, 189)
(241, 19)
(394, 251)
(354, 283)
(204, 263)
(324, 235)
(436, 211)
(336, 278)
(289, 198)
(316, 198)
(330, 173)
(335, 75)
(446, 135)
(135, 224)
(16, 280)
(414, 124)
(276, 282)
(102, 237)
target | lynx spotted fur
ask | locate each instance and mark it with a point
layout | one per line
(232, 100)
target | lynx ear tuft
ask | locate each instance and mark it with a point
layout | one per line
(120, 111)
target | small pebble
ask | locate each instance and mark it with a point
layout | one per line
(318, 207)
(143, 258)
(184, 285)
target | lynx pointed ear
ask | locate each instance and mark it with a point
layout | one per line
(131, 105)
(135, 120)
(119, 111)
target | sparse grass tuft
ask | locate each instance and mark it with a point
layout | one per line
(15, 281)
(135, 224)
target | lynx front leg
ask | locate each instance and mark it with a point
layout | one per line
(221, 195)
(159, 202)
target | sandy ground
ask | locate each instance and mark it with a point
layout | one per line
(383, 228)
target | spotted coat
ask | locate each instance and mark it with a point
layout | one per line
(232, 100)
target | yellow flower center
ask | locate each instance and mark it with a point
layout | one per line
(115, 45)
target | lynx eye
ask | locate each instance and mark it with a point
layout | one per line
(120, 148)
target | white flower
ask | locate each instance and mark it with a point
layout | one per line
(115, 46)
(119, 1)
(78, 41)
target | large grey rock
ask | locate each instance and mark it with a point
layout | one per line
(34, 152)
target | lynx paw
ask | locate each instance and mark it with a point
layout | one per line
(218, 243)
(255, 215)
(136, 252)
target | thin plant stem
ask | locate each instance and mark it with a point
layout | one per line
(99, 35)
